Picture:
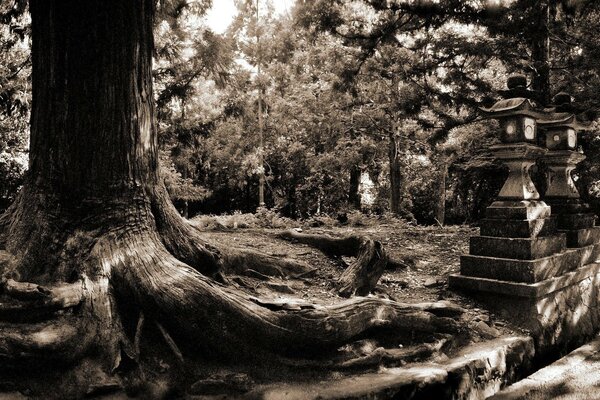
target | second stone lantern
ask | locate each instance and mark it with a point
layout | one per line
(561, 128)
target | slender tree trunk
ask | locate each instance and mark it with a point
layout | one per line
(441, 208)
(353, 194)
(395, 174)
(397, 179)
(540, 51)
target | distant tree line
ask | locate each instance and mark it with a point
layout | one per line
(368, 105)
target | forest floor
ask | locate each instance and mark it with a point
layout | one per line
(424, 256)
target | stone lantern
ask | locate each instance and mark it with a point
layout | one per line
(518, 224)
(519, 265)
(561, 127)
(519, 149)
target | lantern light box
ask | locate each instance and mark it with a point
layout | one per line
(561, 132)
(517, 120)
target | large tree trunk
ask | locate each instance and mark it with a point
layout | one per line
(93, 233)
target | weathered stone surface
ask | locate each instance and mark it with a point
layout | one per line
(518, 228)
(575, 221)
(529, 271)
(476, 372)
(559, 313)
(524, 209)
(519, 158)
(567, 206)
(518, 289)
(517, 248)
(574, 376)
(582, 237)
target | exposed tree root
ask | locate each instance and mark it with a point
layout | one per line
(142, 262)
(369, 356)
(219, 317)
(29, 301)
(60, 340)
(172, 345)
(186, 244)
(362, 275)
(248, 262)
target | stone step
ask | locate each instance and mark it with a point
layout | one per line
(574, 376)
(488, 363)
(517, 248)
(524, 290)
(582, 237)
(512, 209)
(514, 228)
(528, 271)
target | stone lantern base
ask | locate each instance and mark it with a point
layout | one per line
(572, 215)
(560, 312)
(521, 268)
(575, 220)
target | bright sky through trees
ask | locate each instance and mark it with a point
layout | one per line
(221, 13)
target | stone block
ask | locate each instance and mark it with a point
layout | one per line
(514, 209)
(559, 313)
(567, 206)
(524, 290)
(582, 237)
(575, 221)
(528, 271)
(517, 248)
(518, 228)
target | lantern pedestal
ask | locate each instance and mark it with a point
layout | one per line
(518, 238)
(519, 158)
(520, 266)
(573, 216)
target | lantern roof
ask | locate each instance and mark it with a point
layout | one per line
(512, 107)
(553, 119)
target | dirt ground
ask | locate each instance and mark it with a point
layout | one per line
(427, 256)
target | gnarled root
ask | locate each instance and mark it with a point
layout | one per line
(217, 317)
(24, 300)
(39, 323)
(62, 340)
(362, 275)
